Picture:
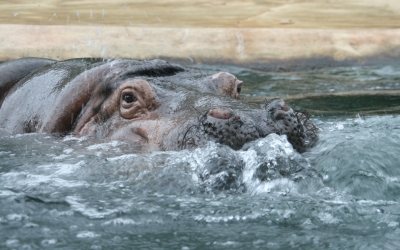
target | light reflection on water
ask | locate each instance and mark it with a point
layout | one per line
(345, 91)
(79, 194)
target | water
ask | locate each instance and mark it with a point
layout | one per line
(69, 193)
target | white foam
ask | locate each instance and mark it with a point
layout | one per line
(120, 222)
(89, 212)
(87, 234)
(105, 146)
(328, 218)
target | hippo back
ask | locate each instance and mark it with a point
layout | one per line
(13, 71)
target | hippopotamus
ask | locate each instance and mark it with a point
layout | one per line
(155, 104)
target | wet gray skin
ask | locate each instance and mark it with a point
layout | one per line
(155, 104)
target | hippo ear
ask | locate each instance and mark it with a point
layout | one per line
(227, 84)
(13, 71)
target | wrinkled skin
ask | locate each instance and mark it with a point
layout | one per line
(155, 104)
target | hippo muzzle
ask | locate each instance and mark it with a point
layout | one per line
(236, 128)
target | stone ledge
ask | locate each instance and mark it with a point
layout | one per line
(253, 47)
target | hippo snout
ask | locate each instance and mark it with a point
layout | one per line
(235, 128)
(229, 127)
(300, 131)
(278, 108)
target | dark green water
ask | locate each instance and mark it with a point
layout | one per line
(68, 193)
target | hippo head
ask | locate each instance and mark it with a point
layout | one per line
(237, 127)
(171, 108)
(158, 105)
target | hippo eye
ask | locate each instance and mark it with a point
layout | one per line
(129, 98)
(239, 89)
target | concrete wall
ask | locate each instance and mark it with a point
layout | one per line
(263, 34)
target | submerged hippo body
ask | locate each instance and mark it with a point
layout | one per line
(158, 105)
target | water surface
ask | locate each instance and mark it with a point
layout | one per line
(70, 193)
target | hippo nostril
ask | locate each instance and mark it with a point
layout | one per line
(285, 108)
(279, 115)
(221, 113)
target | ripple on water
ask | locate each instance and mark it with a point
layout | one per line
(266, 195)
(87, 234)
